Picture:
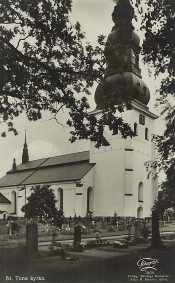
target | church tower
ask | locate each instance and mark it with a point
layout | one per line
(25, 155)
(121, 183)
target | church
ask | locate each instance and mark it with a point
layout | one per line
(108, 180)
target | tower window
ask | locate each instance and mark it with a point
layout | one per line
(138, 86)
(134, 58)
(142, 119)
(140, 192)
(135, 129)
(144, 91)
(146, 134)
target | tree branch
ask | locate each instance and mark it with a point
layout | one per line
(43, 65)
(26, 58)
(22, 39)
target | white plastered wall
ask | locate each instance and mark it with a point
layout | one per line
(120, 168)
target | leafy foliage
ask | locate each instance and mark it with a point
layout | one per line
(41, 205)
(158, 23)
(45, 64)
(166, 196)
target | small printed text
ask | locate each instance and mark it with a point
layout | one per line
(24, 278)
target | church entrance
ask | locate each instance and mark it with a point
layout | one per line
(140, 212)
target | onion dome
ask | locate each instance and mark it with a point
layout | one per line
(115, 87)
(122, 55)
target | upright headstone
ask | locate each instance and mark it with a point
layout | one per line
(77, 237)
(65, 227)
(155, 240)
(32, 240)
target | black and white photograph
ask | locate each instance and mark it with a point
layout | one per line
(87, 141)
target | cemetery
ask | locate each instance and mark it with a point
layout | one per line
(42, 247)
(96, 231)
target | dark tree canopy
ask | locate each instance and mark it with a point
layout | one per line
(158, 23)
(41, 204)
(166, 196)
(45, 64)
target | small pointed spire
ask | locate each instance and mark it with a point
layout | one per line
(14, 165)
(25, 138)
(25, 156)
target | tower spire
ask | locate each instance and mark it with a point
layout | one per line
(122, 79)
(25, 142)
(25, 156)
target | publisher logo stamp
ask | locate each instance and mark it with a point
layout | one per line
(147, 263)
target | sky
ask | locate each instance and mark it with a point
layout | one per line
(45, 137)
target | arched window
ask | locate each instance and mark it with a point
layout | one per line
(146, 134)
(13, 201)
(140, 212)
(134, 57)
(89, 199)
(140, 192)
(60, 199)
(135, 129)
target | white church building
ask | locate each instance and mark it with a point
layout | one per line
(105, 180)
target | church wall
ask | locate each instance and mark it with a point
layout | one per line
(120, 168)
(140, 175)
(68, 197)
(74, 196)
(108, 178)
(143, 151)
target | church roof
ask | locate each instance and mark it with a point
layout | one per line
(3, 199)
(69, 167)
(56, 160)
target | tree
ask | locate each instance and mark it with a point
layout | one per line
(45, 64)
(166, 197)
(158, 50)
(41, 206)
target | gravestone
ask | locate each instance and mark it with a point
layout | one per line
(138, 230)
(65, 227)
(77, 237)
(32, 240)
